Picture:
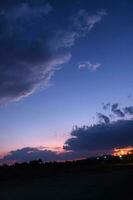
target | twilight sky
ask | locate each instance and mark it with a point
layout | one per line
(65, 63)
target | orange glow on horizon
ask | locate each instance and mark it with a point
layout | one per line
(123, 151)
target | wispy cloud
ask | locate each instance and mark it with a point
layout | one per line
(105, 106)
(103, 118)
(88, 65)
(116, 110)
(84, 22)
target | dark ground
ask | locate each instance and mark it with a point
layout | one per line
(73, 183)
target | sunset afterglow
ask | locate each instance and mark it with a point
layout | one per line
(123, 151)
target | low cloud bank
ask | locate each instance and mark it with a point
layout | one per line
(84, 142)
(101, 136)
(29, 153)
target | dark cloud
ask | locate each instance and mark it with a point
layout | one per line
(28, 153)
(101, 136)
(128, 110)
(85, 141)
(26, 59)
(115, 106)
(105, 106)
(103, 118)
(115, 109)
(31, 47)
(130, 95)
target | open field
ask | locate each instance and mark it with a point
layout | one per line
(72, 184)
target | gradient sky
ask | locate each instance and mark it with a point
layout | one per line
(93, 42)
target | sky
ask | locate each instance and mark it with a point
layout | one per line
(65, 64)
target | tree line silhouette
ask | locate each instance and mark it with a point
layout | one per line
(40, 169)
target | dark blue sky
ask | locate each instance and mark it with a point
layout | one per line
(59, 61)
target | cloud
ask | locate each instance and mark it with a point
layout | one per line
(130, 95)
(84, 22)
(103, 118)
(26, 60)
(124, 112)
(128, 110)
(101, 136)
(85, 141)
(32, 48)
(116, 110)
(105, 106)
(29, 153)
(89, 65)
(64, 39)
